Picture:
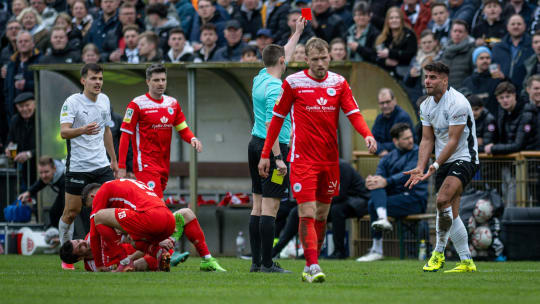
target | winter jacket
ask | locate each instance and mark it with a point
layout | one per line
(199, 55)
(345, 14)
(230, 53)
(378, 11)
(41, 37)
(516, 129)
(490, 33)
(330, 26)
(23, 133)
(251, 21)
(381, 128)
(465, 11)
(483, 85)
(65, 55)
(424, 16)
(14, 68)
(392, 166)
(531, 68)
(526, 12)
(486, 128)
(194, 34)
(277, 19)
(186, 12)
(284, 38)
(163, 33)
(403, 51)
(97, 33)
(459, 58)
(366, 50)
(513, 68)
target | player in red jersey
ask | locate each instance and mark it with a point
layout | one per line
(148, 122)
(132, 208)
(314, 97)
(76, 250)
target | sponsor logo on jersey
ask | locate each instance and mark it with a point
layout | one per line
(322, 101)
(456, 117)
(151, 185)
(162, 126)
(331, 91)
(297, 187)
(170, 110)
(527, 128)
(164, 120)
(332, 186)
(307, 91)
(128, 116)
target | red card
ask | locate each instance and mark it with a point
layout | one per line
(306, 13)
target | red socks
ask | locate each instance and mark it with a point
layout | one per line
(320, 228)
(195, 235)
(308, 238)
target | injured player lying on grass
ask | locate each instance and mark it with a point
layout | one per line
(144, 219)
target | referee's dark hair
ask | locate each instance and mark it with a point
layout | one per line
(398, 128)
(94, 67)
(67, 255)
(86, 191)
(271, 54)
(155, 68)
(437, 67)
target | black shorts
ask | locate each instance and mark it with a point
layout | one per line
(75, 181)
(265, 186)
(461, 169)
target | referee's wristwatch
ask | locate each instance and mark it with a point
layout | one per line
(278, 157)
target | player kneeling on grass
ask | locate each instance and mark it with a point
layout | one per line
(186, 222)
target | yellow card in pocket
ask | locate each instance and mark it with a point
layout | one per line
(276, 178)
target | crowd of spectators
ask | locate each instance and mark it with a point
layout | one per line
(492, 46)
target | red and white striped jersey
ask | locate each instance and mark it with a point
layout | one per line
(150, 122)
(314, 105)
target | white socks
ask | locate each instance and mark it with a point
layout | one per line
(65, 231)
(459, 237)
(443, 226)
(377, 246)
(381, 213)
(208, 256)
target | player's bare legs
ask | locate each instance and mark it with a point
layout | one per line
(72, 208)
(311, 230)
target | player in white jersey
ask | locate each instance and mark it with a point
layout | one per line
(85, 121)
(448, 123)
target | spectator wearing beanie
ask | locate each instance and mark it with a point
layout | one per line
(483, 82)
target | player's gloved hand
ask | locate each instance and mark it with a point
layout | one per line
(371, 144)
(282, 168)
(195, 143)
(264, 167)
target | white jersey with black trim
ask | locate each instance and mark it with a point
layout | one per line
(452, 109)
(86, 153)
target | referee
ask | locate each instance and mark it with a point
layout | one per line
(267, 192)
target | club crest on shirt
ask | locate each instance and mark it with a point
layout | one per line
(297, 187)
(129, 114)
(151, 185)
(331, 92)
(170, 110)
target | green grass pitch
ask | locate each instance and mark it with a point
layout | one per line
(39, 279)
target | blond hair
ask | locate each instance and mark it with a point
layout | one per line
(316, 44)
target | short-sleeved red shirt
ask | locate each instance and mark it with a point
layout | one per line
(314, 106)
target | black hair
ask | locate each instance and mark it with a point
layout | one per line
(154, 69)
(94, 67)
(86, 191)
(398, 128)
(437, 67)
(67, 255)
